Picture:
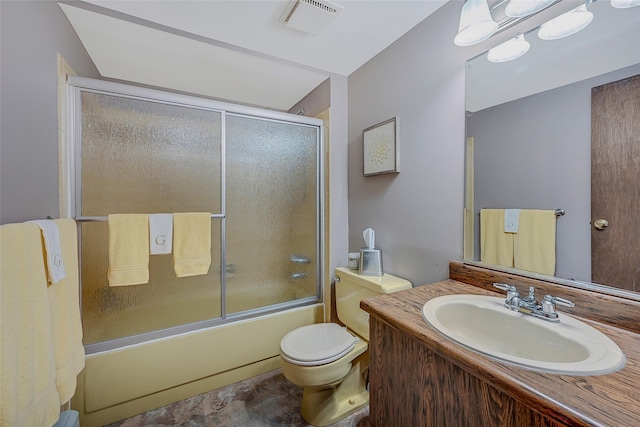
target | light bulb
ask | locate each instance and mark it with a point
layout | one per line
(522, 8)
(624, 4)
(509, 50)
(566, 24)
(476, 23)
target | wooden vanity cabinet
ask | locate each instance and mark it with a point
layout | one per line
(419, 378)
(411, 385)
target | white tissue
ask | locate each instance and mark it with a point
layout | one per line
(369, 238)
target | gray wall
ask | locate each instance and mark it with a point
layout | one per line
(535, 153)
(333, 93)
(31, 34)
(315, 102)
(338, 173)
(417, 214)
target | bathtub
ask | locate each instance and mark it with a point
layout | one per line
(120, 383)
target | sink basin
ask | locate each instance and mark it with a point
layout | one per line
(484, 324)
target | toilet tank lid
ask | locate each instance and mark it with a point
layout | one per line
(384, 284)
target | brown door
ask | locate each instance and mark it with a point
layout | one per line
(615, 184)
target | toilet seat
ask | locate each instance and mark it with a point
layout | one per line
(317, 344)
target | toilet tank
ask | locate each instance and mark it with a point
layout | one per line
(353, 288)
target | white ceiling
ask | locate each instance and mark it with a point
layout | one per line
(237, 50)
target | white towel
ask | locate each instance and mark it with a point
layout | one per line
(51, 234)
(160, 233)
(511, 220)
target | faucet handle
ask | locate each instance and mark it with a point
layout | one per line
(505, 287)
(512, 302)
(549, 304)
(563, 302)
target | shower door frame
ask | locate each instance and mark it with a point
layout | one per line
(71, 193)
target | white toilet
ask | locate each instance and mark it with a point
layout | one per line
(330, 361)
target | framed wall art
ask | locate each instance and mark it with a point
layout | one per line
(379, 148)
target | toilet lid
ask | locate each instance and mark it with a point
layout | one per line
(316, 344)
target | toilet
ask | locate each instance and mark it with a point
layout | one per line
(331, 361)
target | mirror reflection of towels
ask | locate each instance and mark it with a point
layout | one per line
(496, 246)
(511, 220)
(531, 248)
(534, 246)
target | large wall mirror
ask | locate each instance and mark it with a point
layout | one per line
(529, 137)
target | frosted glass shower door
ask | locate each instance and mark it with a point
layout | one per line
(139, 156)
(271, 212)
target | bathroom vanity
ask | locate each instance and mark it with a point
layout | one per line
(421, 378)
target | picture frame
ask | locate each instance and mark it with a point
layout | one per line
(379, 148)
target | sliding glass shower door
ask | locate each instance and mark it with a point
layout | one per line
(258, 176)
(146, 157)
(272, 206)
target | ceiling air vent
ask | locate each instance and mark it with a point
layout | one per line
(310, 16)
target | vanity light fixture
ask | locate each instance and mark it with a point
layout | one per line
(624, 4)
(476, 23)
(522, 8)
(509, 50)
(566, 24)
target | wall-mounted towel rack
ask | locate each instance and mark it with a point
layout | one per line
(105, 218)
(559, 212)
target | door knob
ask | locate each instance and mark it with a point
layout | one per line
(601, 224)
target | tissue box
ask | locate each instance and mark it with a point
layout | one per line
(370, 262)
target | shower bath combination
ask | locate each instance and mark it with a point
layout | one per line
(259, 174)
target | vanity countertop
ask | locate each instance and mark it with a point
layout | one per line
(604, 400)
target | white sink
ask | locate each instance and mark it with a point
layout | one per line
(484, 324)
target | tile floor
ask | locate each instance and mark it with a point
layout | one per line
(268, 400)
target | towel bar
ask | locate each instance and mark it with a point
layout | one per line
(559, 212)
(105, 218)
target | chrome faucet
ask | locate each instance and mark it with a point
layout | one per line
(529, 305)
(300, 259)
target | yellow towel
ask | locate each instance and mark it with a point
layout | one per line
(66, 325)
(28, 395)
(191, 243)
(534, 246)
(128, 249)
(496, 246)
